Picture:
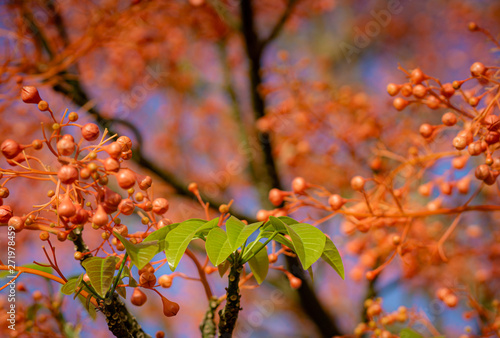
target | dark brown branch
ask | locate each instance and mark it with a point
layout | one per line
(229, 315)
(254, 51)
(280, 24)
(252, 164)
(120, 321)
(310, 303)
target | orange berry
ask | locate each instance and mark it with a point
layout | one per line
(276, 196)
(393, 89)
(192, 187)
(419, 91)
(417, 76)
(160, 206)
(477, 69)
(165, 281)
(449, 119)
(223, 208)
(451, 300)
(441, 293)
(170, 308)
(336, 202)
(125, 178)
(29, 94)
(147, 279)
(295, 282)
(299, 185)
(90, 131)
(138, 298)
(357, 183)
(400, 103)
(426, 130)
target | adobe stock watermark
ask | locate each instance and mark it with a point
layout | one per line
(363, 36)
(128, 102)
(433, 311)
(11, 263)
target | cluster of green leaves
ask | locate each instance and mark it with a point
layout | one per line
(306, 241)
(224, 248)
(232, 246)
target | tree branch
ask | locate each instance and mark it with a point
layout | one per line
(310, 303)
(254, 48)
(280, 24)
(254, 51)
(229, 314)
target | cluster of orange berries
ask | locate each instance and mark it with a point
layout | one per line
(378, 320)
(481, 128)
(81, 174)
(437, 96)
(147, 280)
(299, 186)
(447, 296)
(82, 195)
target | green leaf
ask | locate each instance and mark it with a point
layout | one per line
(80, 285)
(160, 235)
(278, 238)
(88, 306)
(217, 246)
(238, 232)
(332, 256)
(101, 272)
(70, 285)
(409, 333)
(223, 268)
(132, 282)
(122, 291)
(259, 264)
(277, 225)
(288, 220)
(308, 241)
(140, 254)
(178, 239)
(125, 272)
(310, 270)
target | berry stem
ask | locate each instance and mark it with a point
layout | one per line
(201, 272)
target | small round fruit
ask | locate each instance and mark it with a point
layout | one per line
(90, 131)
(138, 298)
(357, 183)
(299, 185)
(126, 178)
(165, 281)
